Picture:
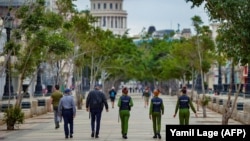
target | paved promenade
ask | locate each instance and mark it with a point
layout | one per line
(41, 128)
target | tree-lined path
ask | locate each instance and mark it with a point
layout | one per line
(140, 127)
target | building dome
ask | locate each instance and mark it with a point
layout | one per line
(110, 15)
(151, 30)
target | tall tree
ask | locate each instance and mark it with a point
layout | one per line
(234, 42)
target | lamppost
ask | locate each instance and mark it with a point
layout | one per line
(39, 87)
(247, 88)
(198, 84)
(219, 86)
(8, 88)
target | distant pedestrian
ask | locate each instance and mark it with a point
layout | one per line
(95, 102)
(156, 110)
(146, 95)
(67, 109)
(54, 100)
(112, 95)
(125, 103)
(183, 104)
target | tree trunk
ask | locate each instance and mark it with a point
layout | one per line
(10, 126)
(204, 109)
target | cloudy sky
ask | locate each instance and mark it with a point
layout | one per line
(163, 14)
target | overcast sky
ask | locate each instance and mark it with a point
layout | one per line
(163, 14)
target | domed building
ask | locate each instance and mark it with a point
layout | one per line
(110, 15)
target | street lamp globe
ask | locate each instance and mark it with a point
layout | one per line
(8, 21)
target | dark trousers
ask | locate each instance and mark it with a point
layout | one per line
(96, 115)
(68, 121)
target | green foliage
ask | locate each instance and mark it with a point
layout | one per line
(12, 46)
(233, 34)
(205, 100)
(13, 116)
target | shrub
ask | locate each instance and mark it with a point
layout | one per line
(13, 116)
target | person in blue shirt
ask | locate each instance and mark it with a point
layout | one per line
(67, 110)
(156, 110)
(112, 95)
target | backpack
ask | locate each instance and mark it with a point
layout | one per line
(112, 94)
(147, 94)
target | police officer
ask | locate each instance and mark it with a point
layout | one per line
(67, 110)
(125, 103)
(156, 110)
(183, 104)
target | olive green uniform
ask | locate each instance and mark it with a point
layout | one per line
(183, 104)
(156, 110)
(124, 103)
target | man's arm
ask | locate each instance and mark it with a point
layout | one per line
(105, 102)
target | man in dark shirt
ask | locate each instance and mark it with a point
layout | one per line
(96, 100)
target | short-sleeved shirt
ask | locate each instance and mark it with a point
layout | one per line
(56, 96)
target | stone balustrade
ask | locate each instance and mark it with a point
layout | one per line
(37, 107)
(241, 111)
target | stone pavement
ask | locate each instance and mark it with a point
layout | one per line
(41, 128)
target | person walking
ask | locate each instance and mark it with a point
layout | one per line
(125, 103)
(183, 104)
(146, 95)
(112, 95)
(95, 102)
(54, 100)
(67, 110)
(156, 110)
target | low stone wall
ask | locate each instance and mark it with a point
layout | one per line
(241, 111)
(35, 109)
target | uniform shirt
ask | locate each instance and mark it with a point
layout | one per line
(125, 102)
(184, 102)
(67, 102)
(156, 105)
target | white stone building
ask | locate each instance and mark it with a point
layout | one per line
(110, 14)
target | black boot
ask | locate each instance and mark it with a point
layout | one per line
(155, 136)
(96, 135)
(92, 134)
(57, 125)
(159, 136)
(124, 136)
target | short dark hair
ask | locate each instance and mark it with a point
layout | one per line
(57, 87)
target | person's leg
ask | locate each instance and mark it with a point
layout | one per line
(93, 118)
(71, 124)
(98, 122)
(158, 124)
(121, 113)
(126, 119)
(66, 122)
(154, 124)
(186, 118)
(112, 102)
(55, 118)
(181, 116)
